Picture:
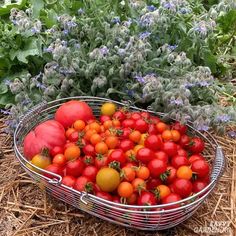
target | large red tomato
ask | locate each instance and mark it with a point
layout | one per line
(46, 135)
(73, 110)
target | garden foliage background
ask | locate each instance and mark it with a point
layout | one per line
(177, 56)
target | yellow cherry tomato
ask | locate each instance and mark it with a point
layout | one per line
(108, 109)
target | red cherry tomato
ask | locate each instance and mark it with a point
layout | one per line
(117, 155)
(183, 187)
(141, 125)
(126, 145)
(170, 148)
(152, 129)
(184, 141)
(195, 157)
(119, 115)
(201, 168)
(182, 152)
(162, 156)
(89, 150)
(145, 155)
(171, 198)
(104, 195)
(145, 115)
(126, 133)
(88, 160)
(116, 199)
(179, 127)
(104, 118)
(196, 145)
(178, 161)
(153, 183)
(74, 168)
(171, 174)
(154, 142)
(154, 119)
(54, 169)
(128, 123)
(90, 172)
(199, 185)
(146, 198)
(135, 116)
(157, 167)
(84, 184)
(73, 137)
(56, 150)
(101, 161)
(68, 181)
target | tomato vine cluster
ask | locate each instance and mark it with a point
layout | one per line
(123, 156)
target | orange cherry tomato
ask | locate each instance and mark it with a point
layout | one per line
(166, 135)
(139, 184)
(59, 159)
(72, 152)
(95, 138)
(95, 126)
(184, 172)
(108, 124)
(175, 135)
(142, 139)
(101, 148)
(143, 172)
(69, 132)
(163, 191)
(130, 155)
(161, 126)
(116, 123)
(89, 134)
(79, 125)
(137, 147)
(125, 189)
(112, 142)
(128, 173)
(135, 136)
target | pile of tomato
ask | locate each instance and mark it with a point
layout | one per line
(124, 156)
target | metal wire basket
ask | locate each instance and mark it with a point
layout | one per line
(157, 217)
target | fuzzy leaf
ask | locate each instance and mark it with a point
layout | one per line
(6, 8)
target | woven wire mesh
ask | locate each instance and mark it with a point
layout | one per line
(140, 217)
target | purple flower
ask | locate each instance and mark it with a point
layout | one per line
(223, 118)
(172, 47)
(121, 51)
(40, 85)
(127, 23)
(144, 35)
(35, 30)
(116, 20)
(25, 102)
(232, 134)
(49, 49)
(203, 83)
(130, 93)
(81, 11)
(5, 112)
(169, 5)
(184, 10)
(65, 32)
(151, 8)
(202, 127)
(140, 79)
(77, 45)
(177, 101)
(104, 50)
(7, 82)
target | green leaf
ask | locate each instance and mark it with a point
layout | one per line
(37, 6)
(210, 60)
(228, 21)
(5, 99)
(3, 88)
(6, 8)
(33, 47)
(50, 18)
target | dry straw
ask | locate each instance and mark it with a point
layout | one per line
(26, 210)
